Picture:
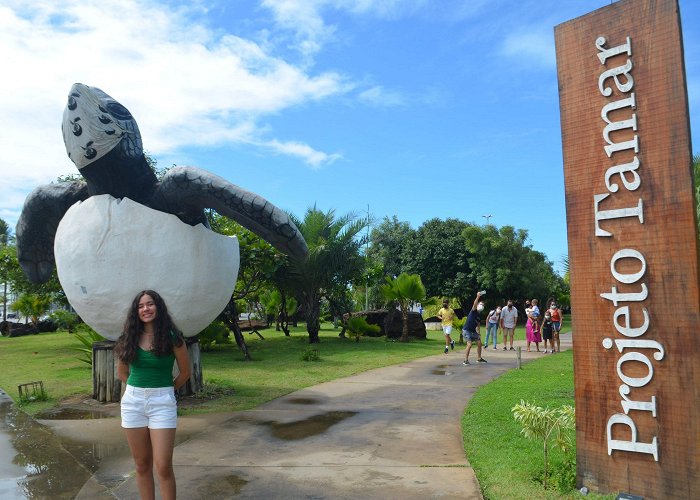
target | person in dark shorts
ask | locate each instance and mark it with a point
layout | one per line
(470, 332)
(548, 331)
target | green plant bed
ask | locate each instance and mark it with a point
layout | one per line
(507, 464)
(277, 368)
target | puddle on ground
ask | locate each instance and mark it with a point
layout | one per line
(35, 463)
(312, 426)
(47, 469)
(440, 372)
(224, 487)
(302, 401)
(71, 414)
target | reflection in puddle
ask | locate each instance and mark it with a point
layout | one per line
(49, 471)
(440, 372)
(312, 426)
(302, 401)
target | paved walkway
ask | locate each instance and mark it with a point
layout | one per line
(393, 432)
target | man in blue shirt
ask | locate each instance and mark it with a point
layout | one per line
(470, 332)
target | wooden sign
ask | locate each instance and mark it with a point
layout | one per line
(633, 249)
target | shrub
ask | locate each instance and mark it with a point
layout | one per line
(65, 320)
(86, 336)
(310, 354)
(37, 393)
(215, 333)
(358, 326)
(545, 423)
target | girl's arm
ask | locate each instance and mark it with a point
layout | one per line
(183, 365)
(122, 370)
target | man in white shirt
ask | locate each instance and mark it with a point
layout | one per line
(509, 318)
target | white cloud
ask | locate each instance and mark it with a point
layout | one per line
(533, 48)
(185, 84)
(314, 158)
(379, 96)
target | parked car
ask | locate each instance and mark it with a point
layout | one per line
(13, 317)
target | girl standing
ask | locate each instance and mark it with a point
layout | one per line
(146, 352)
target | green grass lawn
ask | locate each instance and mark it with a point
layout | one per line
(276, 368)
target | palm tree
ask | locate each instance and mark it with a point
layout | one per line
(403, 290)
(334, 260)
(32, 305)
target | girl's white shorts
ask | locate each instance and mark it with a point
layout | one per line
(154, 408)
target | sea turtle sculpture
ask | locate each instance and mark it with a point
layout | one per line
(103, 140)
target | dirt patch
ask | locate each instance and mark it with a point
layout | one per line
(83, 407)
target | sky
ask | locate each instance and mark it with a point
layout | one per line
(413, 108)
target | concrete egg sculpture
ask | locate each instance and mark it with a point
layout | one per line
(122, 230)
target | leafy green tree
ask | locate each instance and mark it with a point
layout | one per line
(437, 252)
(334, 261)
(32, 305)
(404, 290)
(259, 262)
(504, 263)
(14, 276)
(280, 307)
(387, 242)
(4, 233)
(6, 263)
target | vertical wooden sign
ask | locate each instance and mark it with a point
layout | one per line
(633, 249)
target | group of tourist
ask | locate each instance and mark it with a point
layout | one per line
(538, 327)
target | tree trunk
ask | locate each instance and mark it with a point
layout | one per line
(230, 319)
(404, 319)
(284, 317)
(195, 382)
(313, 313)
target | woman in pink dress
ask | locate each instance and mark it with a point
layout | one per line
(532, 329)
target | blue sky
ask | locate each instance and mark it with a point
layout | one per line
(415, 108)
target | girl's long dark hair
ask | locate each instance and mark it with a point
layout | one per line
(128, 342)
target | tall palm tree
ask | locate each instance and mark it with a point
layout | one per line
(334, 260)
(403, 290)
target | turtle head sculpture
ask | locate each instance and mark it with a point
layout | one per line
(102, 138)
(117, 231)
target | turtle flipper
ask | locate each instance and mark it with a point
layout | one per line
(191, 189)
(37, 224)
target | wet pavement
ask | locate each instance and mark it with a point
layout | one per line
(391, 432)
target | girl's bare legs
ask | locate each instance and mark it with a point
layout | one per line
(163, 441)
(139, 440)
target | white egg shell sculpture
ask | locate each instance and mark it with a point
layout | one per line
(108, 250)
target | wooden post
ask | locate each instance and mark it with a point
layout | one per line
(518, 357)
(195, 383)
(106, 387)
(633, 249)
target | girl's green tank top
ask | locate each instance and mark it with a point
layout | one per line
(149, 370)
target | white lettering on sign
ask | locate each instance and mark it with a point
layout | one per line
(619, 115)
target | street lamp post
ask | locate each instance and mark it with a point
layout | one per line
(487, 217)
(366, 249)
